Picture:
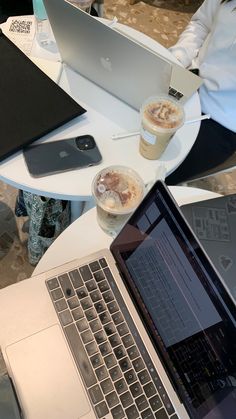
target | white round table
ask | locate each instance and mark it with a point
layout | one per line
(84, 236)
(106, 115)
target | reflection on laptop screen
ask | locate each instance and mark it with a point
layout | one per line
(184, 305)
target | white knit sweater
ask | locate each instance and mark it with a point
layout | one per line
(209, 43)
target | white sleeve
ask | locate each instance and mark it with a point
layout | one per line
(192, 38)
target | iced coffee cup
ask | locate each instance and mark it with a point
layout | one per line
(161, 117)
(117, 190)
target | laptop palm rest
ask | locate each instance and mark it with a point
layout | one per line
(45, 372)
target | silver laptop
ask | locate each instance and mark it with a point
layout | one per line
(143, 330)
(214, 223)
(110, 59)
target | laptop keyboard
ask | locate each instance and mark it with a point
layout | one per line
(120, 377)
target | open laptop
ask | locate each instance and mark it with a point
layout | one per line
(120, 65)
(143, 330)
(214, 223)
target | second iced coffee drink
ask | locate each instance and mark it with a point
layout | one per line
(161, 117)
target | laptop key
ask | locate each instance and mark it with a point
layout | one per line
(82, 325)
(73, 302)
(141, 402)
(103, 285)
(91, 348)
(117, 412)
(86, 303)
(122, 329)
(133, 352)
(121, 386)
(56, 294)
(105, 348)
(110, 361)
(100, 307)
(66, 285)
(161, 414)
(91, 285)
(103, 262)
(82, 292)
(85, 273)
(125, 364)
(107, 386)
(101, 409)
(99, 276)
(147, 414)
(95, 295)
(96, 360)
(114, 340)
(95, 325)
(115, 373)
(90, 314)
(149, 390)
(105, 317)
(136, 389)
(130, 377)
(60, 305)
(76, 278)
(96, 394)
(94, 266)
(155, 402)
(126, 399)
(117, 317)
(100, 336)
(132, 412)
(101, 373)
(52, 283)
(144, 377)
(119, 352)
(65, 317)
(108, 296)
(113, 307)
(77, 313)
(87, 336)
(80, 355)
(138, 364)
(127, 340)
(112, 399)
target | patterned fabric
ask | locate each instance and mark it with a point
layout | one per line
(48, 217)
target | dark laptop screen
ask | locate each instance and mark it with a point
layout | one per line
(185, 307)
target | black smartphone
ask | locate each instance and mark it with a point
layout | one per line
(62, 155)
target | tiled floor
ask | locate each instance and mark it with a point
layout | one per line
(163, 20)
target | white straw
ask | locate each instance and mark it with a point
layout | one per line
(199, 118)
(121, 135)
(124, 135)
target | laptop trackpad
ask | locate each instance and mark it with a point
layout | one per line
(47, 382)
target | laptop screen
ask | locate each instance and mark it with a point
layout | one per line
(181, 300)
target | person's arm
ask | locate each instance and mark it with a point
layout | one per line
(193, 37)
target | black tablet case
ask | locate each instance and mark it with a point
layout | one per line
(31, 104)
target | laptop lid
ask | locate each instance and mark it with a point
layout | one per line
(183, 303)
(108, 58)
(23, 122)
(214, 223)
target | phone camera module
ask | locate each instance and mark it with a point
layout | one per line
(85, 142)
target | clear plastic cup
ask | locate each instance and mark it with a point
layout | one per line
(43, 28)
(117, 190)
(161, 117)
(85, 5)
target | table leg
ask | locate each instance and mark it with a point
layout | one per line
(76, 209)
